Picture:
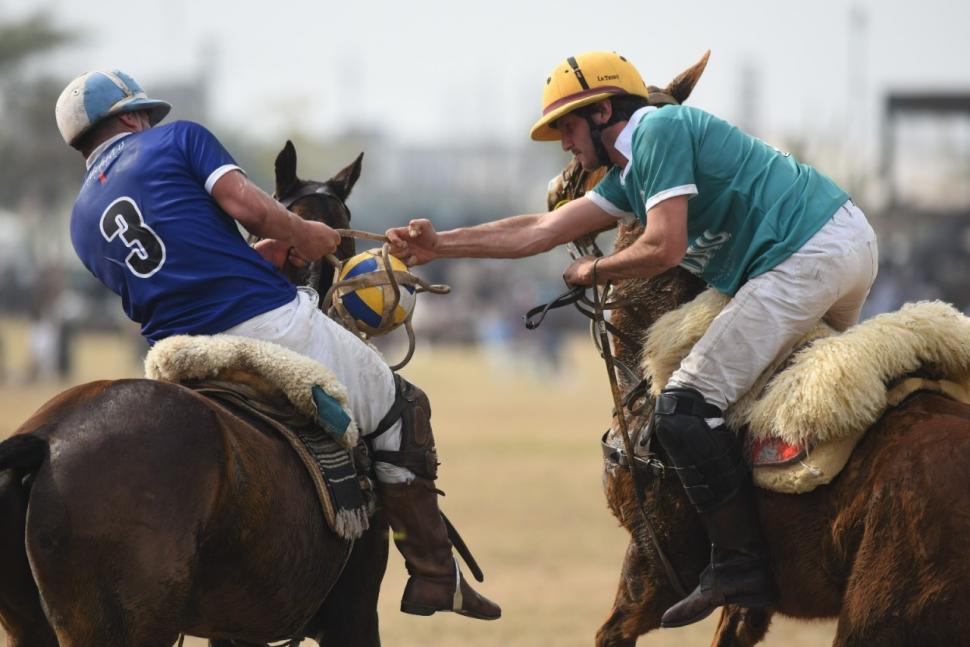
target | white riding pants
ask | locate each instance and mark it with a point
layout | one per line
(302, 327)
(827, 279)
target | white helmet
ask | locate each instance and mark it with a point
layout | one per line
(94, 96)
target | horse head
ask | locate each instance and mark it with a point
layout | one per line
(321, 201)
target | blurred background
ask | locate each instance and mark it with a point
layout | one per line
(440, 96)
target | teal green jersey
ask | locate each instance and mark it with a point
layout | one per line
(751, 206)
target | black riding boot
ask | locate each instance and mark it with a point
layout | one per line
(420, 533)
(709, 464)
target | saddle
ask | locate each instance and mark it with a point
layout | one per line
(272, 388)
(808, 410)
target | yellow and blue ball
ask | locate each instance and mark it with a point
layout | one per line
(366, 304)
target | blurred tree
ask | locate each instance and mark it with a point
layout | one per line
(37, 167)
(20, 40)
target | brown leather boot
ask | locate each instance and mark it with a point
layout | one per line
(436, 583)
(420, 533)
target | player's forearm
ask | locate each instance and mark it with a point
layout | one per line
(643, 259)
(267, 218)
(514, 237)
(255, 210)
(661, 246)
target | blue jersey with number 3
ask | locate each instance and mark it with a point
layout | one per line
(146, 225)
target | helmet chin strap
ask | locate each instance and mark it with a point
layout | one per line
(596, 134)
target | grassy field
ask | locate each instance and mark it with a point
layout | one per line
(521, 468)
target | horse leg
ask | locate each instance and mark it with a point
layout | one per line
(740, 627)
(20, 610)
(902, 606)
(858, 626)
(635, 611)
(349, 614)
(109, 564)
(638, 607)
(103, 594)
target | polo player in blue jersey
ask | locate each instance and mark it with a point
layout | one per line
(783, 240)
(155, 221)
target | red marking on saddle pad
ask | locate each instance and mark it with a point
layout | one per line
(102, 178)
(774, 451)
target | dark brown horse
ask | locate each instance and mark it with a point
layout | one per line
(884, 548)
(132, 511)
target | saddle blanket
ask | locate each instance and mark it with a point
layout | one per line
(274, 385)
(808, 410)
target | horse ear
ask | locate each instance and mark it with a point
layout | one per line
(345, 180)
(681, 87)
(286, 169)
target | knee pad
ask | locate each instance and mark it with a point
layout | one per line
(707, 459)
(417, 452)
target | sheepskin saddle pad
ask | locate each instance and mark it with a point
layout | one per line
(807, 411)
(272, 385)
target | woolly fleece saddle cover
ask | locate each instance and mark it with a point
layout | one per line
(201, 357)
(833, 388)
(267, 368)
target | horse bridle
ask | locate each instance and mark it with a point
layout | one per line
(308, 189)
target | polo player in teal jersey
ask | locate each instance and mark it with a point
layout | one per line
(783, 240)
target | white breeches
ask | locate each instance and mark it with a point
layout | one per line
(303, 328)
(828, 278)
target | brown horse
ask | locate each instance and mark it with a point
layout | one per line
(884, 547)
(132, 511)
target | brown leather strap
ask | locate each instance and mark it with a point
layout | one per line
(363, 235)
(393, 415)
(308, 189)
(423, 462)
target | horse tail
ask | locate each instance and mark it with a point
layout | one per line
(23, 453)
(20, 604)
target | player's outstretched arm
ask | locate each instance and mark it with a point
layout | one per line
(513, 237)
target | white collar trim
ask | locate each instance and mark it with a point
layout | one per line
(624, 141)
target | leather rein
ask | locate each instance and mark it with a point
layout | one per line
(634, 401)
(331, 302)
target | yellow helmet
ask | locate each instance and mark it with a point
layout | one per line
(581, 80)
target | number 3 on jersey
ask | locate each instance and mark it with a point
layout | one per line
(123, 218)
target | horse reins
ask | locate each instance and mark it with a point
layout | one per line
(619, 402)
(601, 329)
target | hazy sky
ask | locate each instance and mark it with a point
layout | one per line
(437, 70)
